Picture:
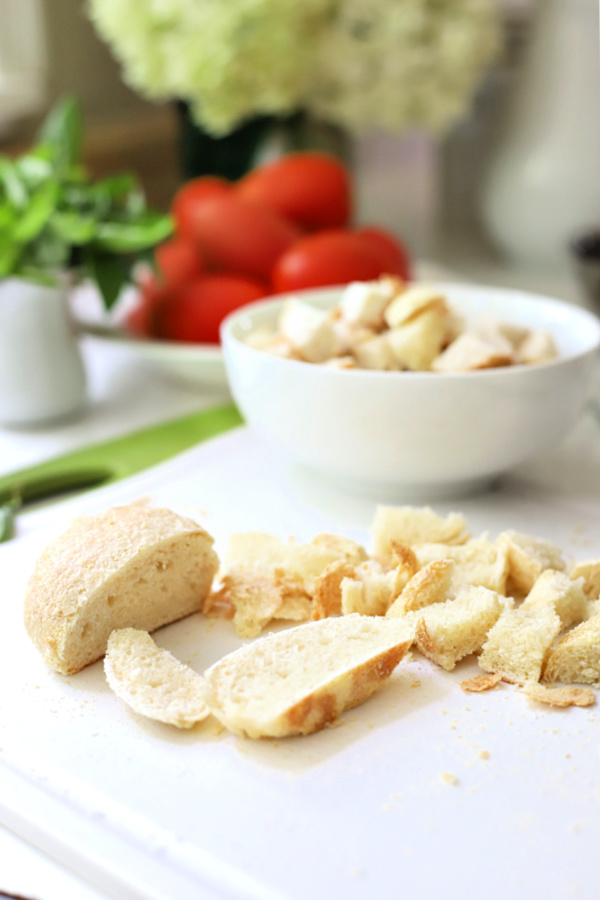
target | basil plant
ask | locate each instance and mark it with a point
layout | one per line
(54, 218)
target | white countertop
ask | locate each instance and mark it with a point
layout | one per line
(124, 396)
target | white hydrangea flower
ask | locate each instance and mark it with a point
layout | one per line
(391, 64)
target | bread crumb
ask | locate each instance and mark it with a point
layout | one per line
(449, 778)
(484, 754)
(480, 683)
(560, 697)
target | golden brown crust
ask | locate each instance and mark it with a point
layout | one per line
(327, 599)
(429, 585)
(561, 696)
(479, 683)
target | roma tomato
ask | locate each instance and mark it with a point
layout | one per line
(311, 189)
(394, 254)
(190, 197)
(326, 258)
(178, 260)
(151, 295)
(194, 313)
(241, 237)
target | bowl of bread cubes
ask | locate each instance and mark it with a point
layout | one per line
(410, 390)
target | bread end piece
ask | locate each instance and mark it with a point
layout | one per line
(133, 566)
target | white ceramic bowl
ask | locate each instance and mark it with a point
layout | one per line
(416, 434)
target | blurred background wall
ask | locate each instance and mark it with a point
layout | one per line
(51, 48)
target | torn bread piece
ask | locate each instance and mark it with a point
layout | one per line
(576, 657)
(589, 570)
(561, 696)
(527, 559)
(518, 644)
(470, 352)
(565, 595)
(414, 525)
(478, 562)
(327, 599)
(365, 302)
(300, 680)
(152, 681)
(416, 343)
(431, 584)
(412, 302)
(447, 632)
(371, 589)
(265, 577)
(132, 566)
(309, 331)
(536, 347)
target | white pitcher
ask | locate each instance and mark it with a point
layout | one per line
(42, 376)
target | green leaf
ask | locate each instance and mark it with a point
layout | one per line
(9, 257)
(13, 187)
(41, 205)
(7, 520)
(73, 227)
(130, 237)
(33, 169)
(110, 273)
(62, 131)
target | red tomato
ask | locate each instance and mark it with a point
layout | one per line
(196, 311)
(190, 197)
(393, 252)
(311, 189)
(179, 260)
(326, 258)
(152, 293)
(241, 237)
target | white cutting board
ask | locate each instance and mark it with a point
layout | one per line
(361, 810)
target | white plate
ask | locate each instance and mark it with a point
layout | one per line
(192, 364)
(351, 813)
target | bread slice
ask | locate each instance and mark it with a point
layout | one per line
(414, 525)
(133, 566)
(299, 680)
(152, 681)
(447, 632)
(563, 594)
(519, 642)
(576, 658)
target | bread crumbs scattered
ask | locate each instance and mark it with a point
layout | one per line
(449, 778)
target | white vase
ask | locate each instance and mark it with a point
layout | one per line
(42, 376)
(543, 184)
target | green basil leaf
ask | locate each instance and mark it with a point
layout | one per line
(41, 205)
(110, 273)
(12, 185)
(73, 227)
(9, 257)
(33, 169)
(130, 237)
(62, 131)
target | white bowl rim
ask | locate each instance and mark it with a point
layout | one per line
(517, 369)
